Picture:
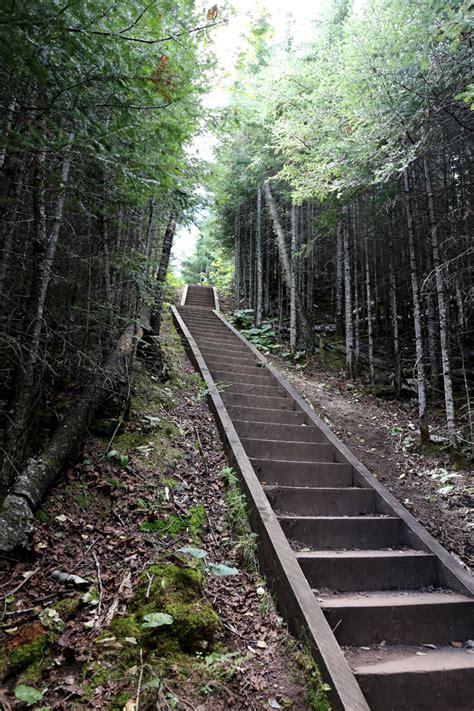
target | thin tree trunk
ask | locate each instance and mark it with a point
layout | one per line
(339, 279)
(258, 258)
(348, 299)
(284, 259)
(394, 319)
(237, 258)
(370, 331)
(293, 328)
(420, 366)
(443, 323)
(157, 311)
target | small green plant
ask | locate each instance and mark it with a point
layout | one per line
(28, 694)
(200, 563)
(263, 337)
(122, 459)
(237, 519)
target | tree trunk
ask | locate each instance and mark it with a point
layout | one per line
(17, 431)
(370, 331)
(157, 311)
(348, 300)
(394, 319)
(258, 258)
(339, 280)
(293, 330)
(420, 366)
(237, 257)
(443, 324)
(284, 259)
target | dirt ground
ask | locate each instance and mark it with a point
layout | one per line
(106, 521)
(383, 435)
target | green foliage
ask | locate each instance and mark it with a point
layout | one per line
(28, 694)
(237, 520)
(263, 337)
(156, 619)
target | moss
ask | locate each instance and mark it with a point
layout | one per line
(105, 428)
(193, 624)
(27, 654)
(178, 592)
(67, 607)
(118, 703)
(317, 689)
(41, 516)
(98, 674)
(171, 526)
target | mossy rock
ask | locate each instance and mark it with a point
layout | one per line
(177, 592)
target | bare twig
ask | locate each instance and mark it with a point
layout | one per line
(140, 678)
(99, 584)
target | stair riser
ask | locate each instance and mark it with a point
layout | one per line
(428, 691)
(307, 502)
(410, 624)
(225, 344)
(361, 574)
(265, 390)
(327, 534)
(224, 347)
(237, 400)
(224, 376)
(260, 414)
(224, 365)
(290, 451)
(285, 473)
(296, 433)
(245, 359)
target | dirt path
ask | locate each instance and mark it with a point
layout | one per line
(79, 642)
(383, 436)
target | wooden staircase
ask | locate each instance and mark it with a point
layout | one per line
(392, 598)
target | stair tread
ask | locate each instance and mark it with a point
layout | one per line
(384, 598)
(370, 553)
(409, 660)
(366, 517)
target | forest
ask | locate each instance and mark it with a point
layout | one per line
(344, 198)
(332, 192)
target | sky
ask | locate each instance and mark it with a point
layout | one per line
(228, 41)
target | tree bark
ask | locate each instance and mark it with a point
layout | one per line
(293, 328)
(259, 263)
(442, 312)
(157, 311)
(284, 259)
(16, 433)
(348, 299)
(420, 366)
(370, 330)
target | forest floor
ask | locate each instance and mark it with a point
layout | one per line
(106, 559)
(383, 435)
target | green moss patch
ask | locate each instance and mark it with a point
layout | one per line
(174, 591)
(171, 526)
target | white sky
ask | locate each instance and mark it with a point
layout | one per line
(228, 40)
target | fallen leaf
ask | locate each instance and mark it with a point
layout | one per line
(131, 705)
(456, 644)
(273, 703)
(262, 644)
